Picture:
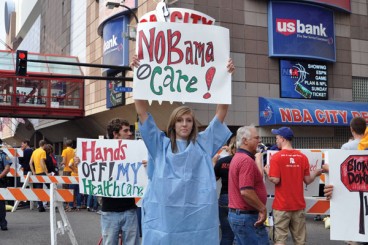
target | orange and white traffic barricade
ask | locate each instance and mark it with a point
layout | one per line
(314, 205)
(47, 179)
(52, 179)
(43, 195)
(15, 168)
(56, 197)
(317, 205)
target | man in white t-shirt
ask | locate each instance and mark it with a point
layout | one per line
(357, 128)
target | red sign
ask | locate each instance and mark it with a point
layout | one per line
(354, 173)
(342, 4)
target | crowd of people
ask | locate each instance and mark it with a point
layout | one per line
(180, 205)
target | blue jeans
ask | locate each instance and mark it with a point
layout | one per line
(77, 195)
(3, 222)
(39, 186)
(244, 230)
(227, 235)
(92, 202)
(114, 222)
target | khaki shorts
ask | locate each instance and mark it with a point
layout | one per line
(285, 220)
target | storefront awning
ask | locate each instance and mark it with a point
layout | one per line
(309, 112)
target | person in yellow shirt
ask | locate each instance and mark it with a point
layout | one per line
(38, 167)
(363, 144)
(67, 155)
(73, 165)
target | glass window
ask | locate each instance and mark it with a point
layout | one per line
(6, 91)
(360, 89)
(31, 92)
(64, 69)
(6, 61)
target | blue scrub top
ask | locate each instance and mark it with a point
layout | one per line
(180, 203)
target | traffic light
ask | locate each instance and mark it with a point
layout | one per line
(21, 63)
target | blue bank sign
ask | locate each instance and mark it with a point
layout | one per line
(309, 112)
(301, 30)
(116, 47)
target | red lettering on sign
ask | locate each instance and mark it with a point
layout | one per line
(355, 114)
(206, 22)
(296, 115)
(328, 118)
(365, 115)
(285, 115)
(321, 118)
(160, 47)
(195, 18)
(344, 115)
(307, 116)
(334, 116)
(175, 15)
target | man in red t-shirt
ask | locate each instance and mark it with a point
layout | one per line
(247, 191)
(289, 170)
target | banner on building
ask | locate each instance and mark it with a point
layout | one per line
(340, 4)
(112, 168)
(274, 111)
(301, 30)
(116, 46)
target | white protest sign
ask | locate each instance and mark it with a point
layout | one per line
(182, 62)
(112, 168)
(349, 206)
(315, 158)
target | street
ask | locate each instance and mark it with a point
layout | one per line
(31, 227)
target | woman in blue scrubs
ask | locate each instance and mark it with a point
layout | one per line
(180, 203)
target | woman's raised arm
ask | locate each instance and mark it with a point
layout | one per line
(141, 106)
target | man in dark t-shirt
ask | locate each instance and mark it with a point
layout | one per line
(27, 153)
(222, 171)
(119, 214)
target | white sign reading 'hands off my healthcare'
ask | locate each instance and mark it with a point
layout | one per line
(182, 62)
(112, 168)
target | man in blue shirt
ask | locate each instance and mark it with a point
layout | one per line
(5, 163)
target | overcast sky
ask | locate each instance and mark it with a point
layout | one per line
(2, 25)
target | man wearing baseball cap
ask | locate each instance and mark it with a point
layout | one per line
(289, 170)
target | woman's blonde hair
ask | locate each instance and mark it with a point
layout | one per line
(170, 130)
(232, 145)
